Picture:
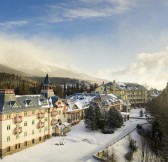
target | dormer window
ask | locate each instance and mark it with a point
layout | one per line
(28, 103)
(13, 104)
(50, 101)
(42, 101)
(75, 106)
(39, 102)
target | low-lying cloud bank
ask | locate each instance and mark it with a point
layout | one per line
(20, 53)
(148, 69)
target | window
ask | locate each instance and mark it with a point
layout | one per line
(8, 138)
(33, 122)
(25, 143)
(45, 119)
(25, 113)
(17, 136)
(28, 102)
(8, 127)
(8, 149)
(25, 134)
(32, 131)
(8, 116)
(41, 101)
(13, 104)
(25, 123)
(33, 112)
(59, 112)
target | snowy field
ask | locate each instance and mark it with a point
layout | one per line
(120, 148)
(135, 113)
(80, 145)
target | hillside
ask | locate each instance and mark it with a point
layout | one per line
(19, 84)
(6, 69)
(32, 85)
(31, 65)
(60, 80)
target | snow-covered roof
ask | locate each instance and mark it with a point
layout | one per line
(110, 99)
(79, 101)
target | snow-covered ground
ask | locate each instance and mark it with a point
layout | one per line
(135, 113)
(120, 148)
(80, 145)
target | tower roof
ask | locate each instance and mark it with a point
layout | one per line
(47, 80)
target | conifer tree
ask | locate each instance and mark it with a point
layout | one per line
(90, 118)
(114, 118)
(93, 117)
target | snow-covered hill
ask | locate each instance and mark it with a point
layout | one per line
(27, 63)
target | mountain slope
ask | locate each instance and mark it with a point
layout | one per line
(30, 65)
(5, 69)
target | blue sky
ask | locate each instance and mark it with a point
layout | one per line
(99, 37)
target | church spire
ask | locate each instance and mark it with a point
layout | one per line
(47, 87)
(47, 80)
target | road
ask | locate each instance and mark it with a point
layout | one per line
(115, 137)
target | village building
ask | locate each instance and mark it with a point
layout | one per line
(109, 101)
(26, 120)
(78, 102)
(135, 93)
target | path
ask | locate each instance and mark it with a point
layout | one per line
(115, 137)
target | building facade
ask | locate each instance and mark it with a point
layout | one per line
(135, 93)
(26, 120)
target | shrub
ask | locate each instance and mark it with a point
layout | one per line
(132, 144)
(141, 114)
(107, 130)
(113, 157)
(129, 155)
(139, 126)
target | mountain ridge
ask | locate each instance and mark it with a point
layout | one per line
(34, 66)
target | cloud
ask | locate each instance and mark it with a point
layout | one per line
(86, 55)
(86, 9)
(72, 10)
(26, 53)
(119, 2)
(12, 24)
(147, 68)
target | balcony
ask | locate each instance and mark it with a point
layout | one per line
(54, 113)
(17, 119)
(40, 125)
(53, 122)
(40, 115)
(18, 130)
